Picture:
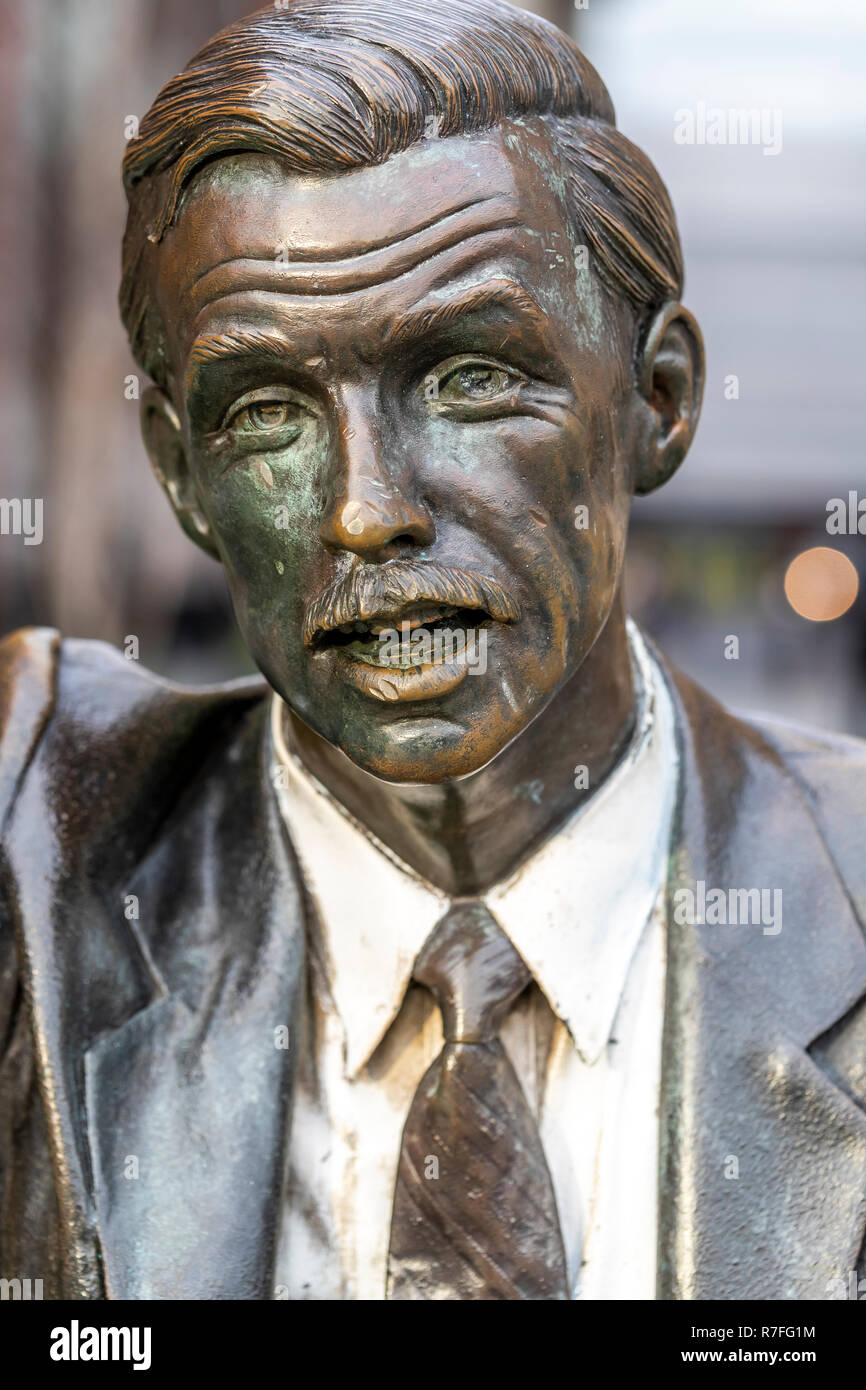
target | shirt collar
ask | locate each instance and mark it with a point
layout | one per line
(575, 910)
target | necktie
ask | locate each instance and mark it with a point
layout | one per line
(474, 1209)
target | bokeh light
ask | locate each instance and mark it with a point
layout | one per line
(821, 584)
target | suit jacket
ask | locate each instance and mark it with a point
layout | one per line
(152, 941)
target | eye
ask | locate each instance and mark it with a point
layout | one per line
(471, 382)
(477, 383)
(264, 422)
(268, 415)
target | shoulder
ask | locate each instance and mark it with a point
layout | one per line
(79, 705)
(830, 770)
(825, 763)
(827, 770)
(28, 662)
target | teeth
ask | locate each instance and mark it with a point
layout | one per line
(412, 619)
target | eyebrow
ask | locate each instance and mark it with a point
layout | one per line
(420, 321)
(241, 342)
(275, 344)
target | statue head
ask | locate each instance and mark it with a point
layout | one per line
(410, 304)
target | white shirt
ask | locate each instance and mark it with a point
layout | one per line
(586, 913)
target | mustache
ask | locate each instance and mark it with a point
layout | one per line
(376, 591)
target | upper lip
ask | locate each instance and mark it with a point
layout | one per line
(416, 595)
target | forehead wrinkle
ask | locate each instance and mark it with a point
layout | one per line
(346, 276)
(421, 318)
(458, 261)
(350, 253)
(278, 342)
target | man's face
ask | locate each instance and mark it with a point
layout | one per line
(399, 390)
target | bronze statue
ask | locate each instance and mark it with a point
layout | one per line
(475, 953)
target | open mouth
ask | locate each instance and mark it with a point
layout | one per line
(404, 632)
(412, 639)
(417, 653)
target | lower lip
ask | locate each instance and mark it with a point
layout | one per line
(392, 685)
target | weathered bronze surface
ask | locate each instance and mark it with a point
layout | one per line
(409, 302)
(491, 1230)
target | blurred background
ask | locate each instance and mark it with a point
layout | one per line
(737, 546)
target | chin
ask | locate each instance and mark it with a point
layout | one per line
(427, 750)
(420, 765)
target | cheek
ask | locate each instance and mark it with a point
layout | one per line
(589, 528)
(542, 494)
(262, 513)
(610, 493)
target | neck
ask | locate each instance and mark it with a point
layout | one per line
(464, 836)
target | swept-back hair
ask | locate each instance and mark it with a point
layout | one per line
(331, 85)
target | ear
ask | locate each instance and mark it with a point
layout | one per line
(671, 383)
(163, 440)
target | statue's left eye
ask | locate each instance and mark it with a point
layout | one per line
(481, 382)
(475, 383)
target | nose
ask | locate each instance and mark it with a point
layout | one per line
(373, 511)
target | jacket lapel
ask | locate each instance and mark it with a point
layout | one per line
(160, 934)
(763, 1158)
(188, 1101)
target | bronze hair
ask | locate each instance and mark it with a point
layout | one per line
(328, 85)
